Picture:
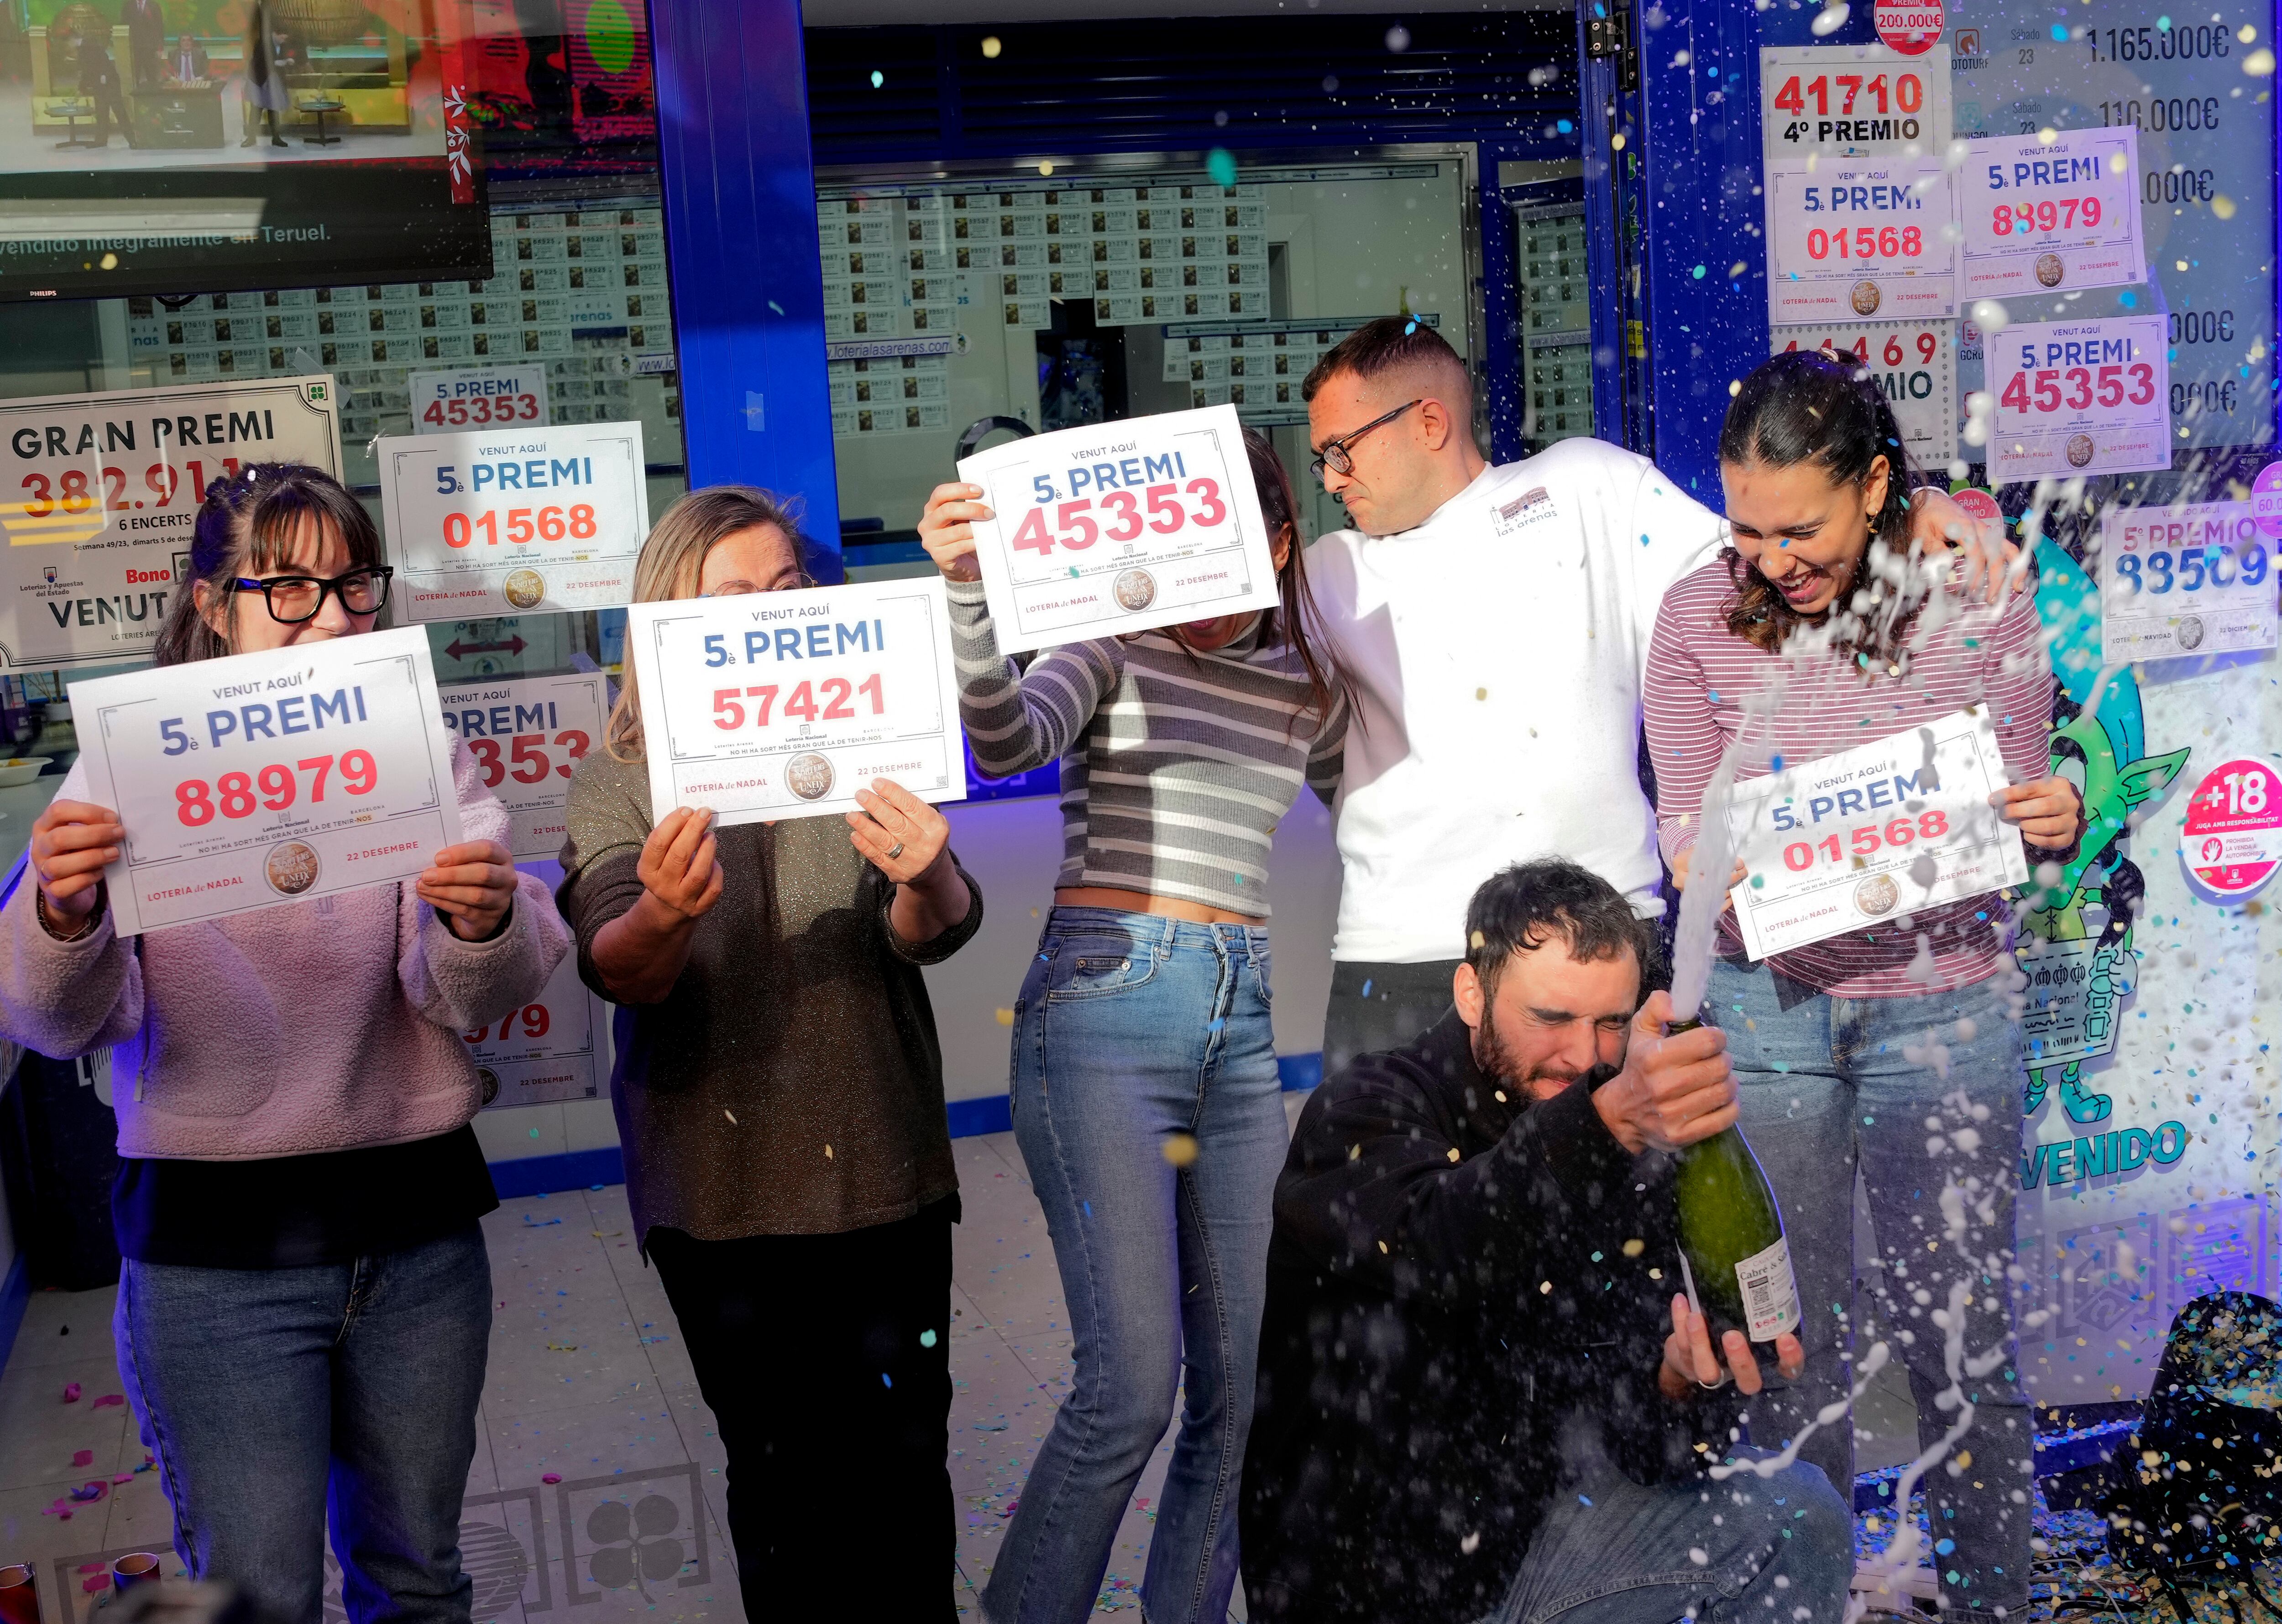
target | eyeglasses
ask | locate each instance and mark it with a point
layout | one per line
(1335, 455)
(295, 599)
(746, 588)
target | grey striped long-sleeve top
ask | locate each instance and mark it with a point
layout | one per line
(1177, 765)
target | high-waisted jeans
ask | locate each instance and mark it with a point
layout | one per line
(1138, 1041)
(1924, 1094)
(275, 1399)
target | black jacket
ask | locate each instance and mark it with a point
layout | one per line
(1453, 1326)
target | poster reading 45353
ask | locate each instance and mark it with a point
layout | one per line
(100, 498)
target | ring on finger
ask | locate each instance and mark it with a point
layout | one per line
(895, 851)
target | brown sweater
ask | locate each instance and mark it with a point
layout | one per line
(791, 1083)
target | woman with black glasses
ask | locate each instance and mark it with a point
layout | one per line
(304, 1301)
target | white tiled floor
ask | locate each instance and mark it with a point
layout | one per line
(589, 1383)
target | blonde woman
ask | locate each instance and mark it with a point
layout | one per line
(780, 1095)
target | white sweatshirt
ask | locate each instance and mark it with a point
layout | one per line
(1497, 651)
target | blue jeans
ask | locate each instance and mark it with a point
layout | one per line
(1832, 1083)
(271, 1397)
(1131, 1030)
(1778, 1548)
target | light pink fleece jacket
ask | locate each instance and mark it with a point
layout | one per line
(325, 1024)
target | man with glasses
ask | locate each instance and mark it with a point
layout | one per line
(1493, 621)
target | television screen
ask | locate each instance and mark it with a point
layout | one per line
(148, 146)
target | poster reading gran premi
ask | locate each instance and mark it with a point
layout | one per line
(100, 498)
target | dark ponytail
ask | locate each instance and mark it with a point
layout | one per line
(1298, 623)
(250, 520)
(1804, 407)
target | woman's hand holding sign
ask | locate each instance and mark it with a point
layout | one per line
(947, 529)
(909, 841)
(472, 886)
(73, 841)
(639, 954)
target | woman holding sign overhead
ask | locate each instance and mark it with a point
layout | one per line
(780, 1095)
(1145, 1093)
(305, 1304)
(1884, 1034)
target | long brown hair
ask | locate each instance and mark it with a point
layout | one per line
(671, 564)
(1801, 407)
(1298, 621)
(248, 523)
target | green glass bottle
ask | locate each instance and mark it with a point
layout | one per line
(1731, 1236)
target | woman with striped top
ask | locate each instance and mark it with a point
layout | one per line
(1144, 1088)
(1821, 629)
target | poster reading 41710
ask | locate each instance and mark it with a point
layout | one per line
(100, 498)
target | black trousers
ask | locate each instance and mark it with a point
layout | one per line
(1378, 1007)
(826, 1361)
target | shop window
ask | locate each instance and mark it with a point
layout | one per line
(1110, 289)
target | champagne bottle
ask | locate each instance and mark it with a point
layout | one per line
(1731, 1236)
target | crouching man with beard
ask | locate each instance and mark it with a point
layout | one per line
(1482, 1394)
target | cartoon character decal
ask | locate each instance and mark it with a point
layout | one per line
(2077, 980)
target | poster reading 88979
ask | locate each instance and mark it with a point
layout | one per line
(2204, 172)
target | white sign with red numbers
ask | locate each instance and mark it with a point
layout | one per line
(2232, 837)
(260, 779)
(2266, 500)
(1915, 365)
(500, 397)
(557, 1046)
(1853, 101)
(528, 733)
(2048, 216)
(776, 705)
(1120, 527)
(101, 502)
(1848, 241)
(1910, 27)
(508, 521)
(2079, 398)
(2193, 579)
(1852, 841)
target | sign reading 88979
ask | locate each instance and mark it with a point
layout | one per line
(2205, 176)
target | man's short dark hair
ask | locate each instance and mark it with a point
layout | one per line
(1519, 908)
(1394, 343)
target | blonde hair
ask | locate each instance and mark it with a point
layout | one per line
(671, 564)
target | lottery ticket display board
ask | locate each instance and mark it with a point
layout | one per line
(2194, 579)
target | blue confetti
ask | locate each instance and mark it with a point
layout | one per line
(2060, 33)
(927, 1339)
(1697, 273)
(1366, 989)
(886, 1380)
(1563, 126)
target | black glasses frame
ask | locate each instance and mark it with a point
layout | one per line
(382, 573)
(1335, 453)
